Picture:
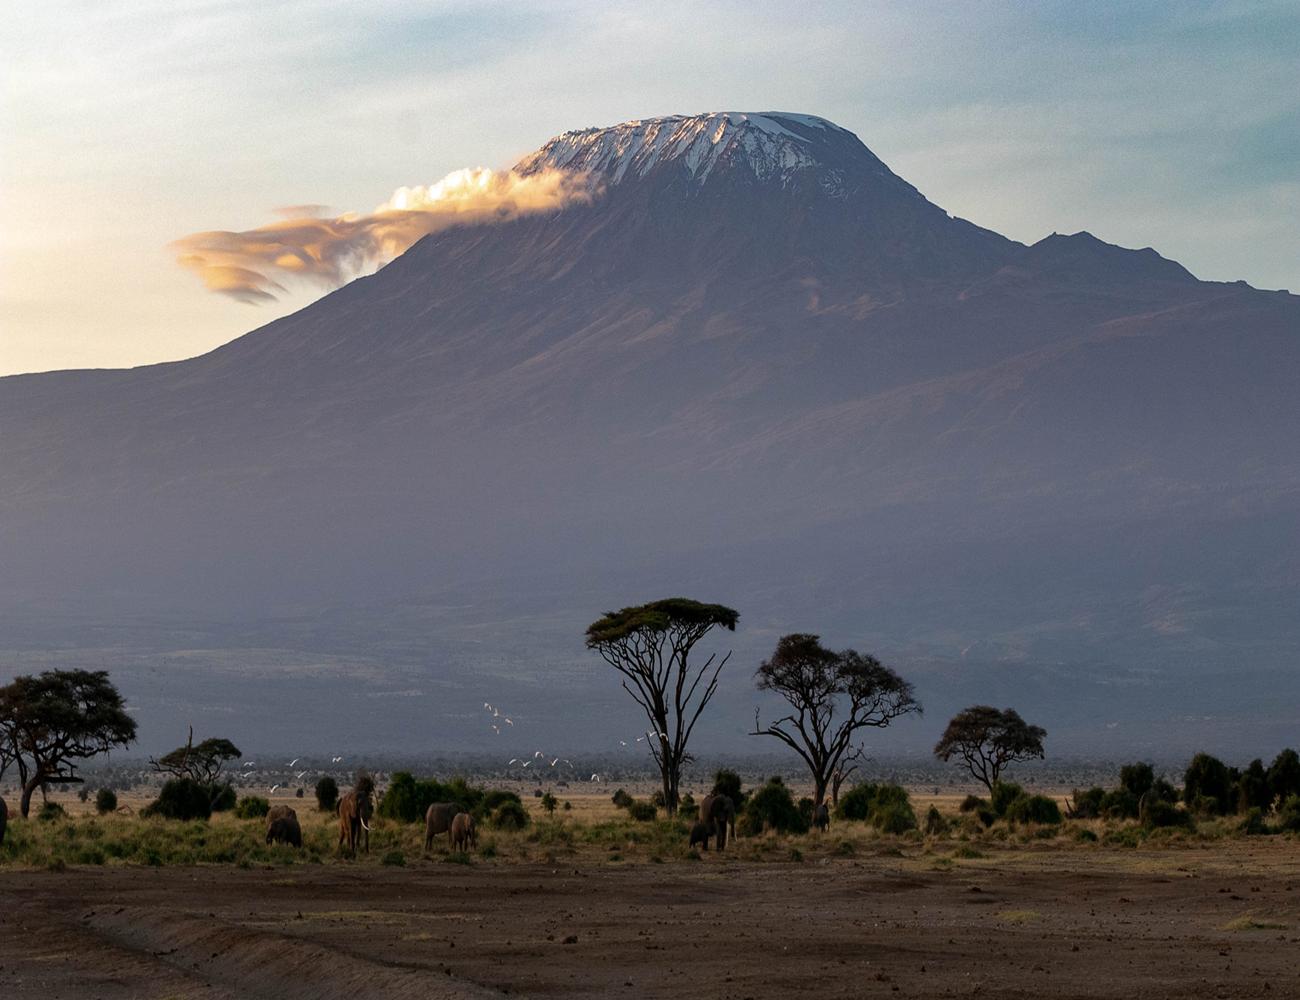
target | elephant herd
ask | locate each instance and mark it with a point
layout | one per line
(449, 818)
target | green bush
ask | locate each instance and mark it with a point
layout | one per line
(657, 800)
(51, 811)
(510, 816)
(182, 799)
(1034, 809)
(394, 858)
(1137, 779)
(251, 807)
(884, 805)
(1004, 793)
(1087, 804)
(1288, 814)
(855, 804)
(893, 816)
(935, 823)
(549, 803)
(497, 797)
(1252, 824)
(642, 812)
(1120, 803)
(327, 794)
(407, 799)
(621, 799)
(972, 803)
(727, 782)
(1284, 776)
(1208, 785)
(772, 807)
(1085, 837)
(1160, 813)
(1253, 791)
(105, 801)
(223, 797)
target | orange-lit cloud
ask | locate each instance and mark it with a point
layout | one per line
(250, 266)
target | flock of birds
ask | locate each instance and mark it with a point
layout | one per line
(496, 720)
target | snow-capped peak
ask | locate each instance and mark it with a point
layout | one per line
(774, 145)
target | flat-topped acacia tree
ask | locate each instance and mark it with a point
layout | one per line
(831, 695)
(988, 739)
(60, 717)
(650, 645)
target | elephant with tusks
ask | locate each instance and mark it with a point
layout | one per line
(437, 819)
(718, 814)
(282, 827)
(355, 811)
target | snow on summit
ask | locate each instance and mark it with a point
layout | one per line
(773, 145)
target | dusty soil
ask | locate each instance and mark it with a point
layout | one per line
(1221, 920)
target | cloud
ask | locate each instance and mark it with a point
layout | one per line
(250, 266)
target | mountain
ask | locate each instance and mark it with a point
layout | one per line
(759, 368)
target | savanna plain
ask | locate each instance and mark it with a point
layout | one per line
(589, 902)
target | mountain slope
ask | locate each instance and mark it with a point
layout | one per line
(756, 340)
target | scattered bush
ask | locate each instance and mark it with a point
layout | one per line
(1086, 804)
(327, 794)
(1252, 824)
(642, 812)
(972, 803)
(549, 802)
(567, 805)
(806, 807)
(856, 802)
(510, 816)
(1120, 803)
(1284, 776)
(407, 799)
(252, 807)
(1160, 813)
(105, 801)
(1004, 793)
(1253, 791)
(894, 817)
(621, 799)
(935, 824)
(885, 806)
(181, 798)
(1137, 779)
(772, 807)
(727, 782)
(1034, 809)
(51, 811)
(497, 797)
(658, 801)
(223, 797)
(1288, 814)
(394, 858)
(1085, 836)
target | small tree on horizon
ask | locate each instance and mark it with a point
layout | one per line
(650, 645)
(832, 695)
(202, 763)
(987, 740)
(51, 721)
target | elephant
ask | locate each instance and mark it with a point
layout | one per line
(700, 835)
(437, 819)
(717, 813)
(821, 818)
(464, 835)
(4, 820)
(282, 827)
(355, 810)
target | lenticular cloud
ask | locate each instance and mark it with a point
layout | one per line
(253, 265)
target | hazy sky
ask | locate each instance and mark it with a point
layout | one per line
(125, 126)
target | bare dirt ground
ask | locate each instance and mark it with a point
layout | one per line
(1216, 921)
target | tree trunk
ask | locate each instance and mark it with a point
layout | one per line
(819, 790)
(670, 789)
(33, 783)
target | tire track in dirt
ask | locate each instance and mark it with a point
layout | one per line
(258, 964)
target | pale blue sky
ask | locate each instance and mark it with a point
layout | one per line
(124, 126)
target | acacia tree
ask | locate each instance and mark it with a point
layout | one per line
(650, 645)
(202, 763)
(987, 740)
(51, 721)
(832, 695)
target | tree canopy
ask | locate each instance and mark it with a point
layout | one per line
(50, 721)
(650, 645)
(987, 739)
(832, 695)
(202, 763)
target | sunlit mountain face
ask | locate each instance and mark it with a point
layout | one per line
(753, 366)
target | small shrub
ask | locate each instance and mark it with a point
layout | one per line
(568, 806)
(727, 782)
(510, 816)
(298, 794)
(658, 801)
(1253, 791)
(1120, 804)
(251, 807)
(855, 804)
(622, 799)
(972, 803)
(1137, 779)
(537, 793)
(1034, 809)
(1085, 836)
(181, 798)
(497, 797)
(1159, 813)
(806, 807)
(1288, 814)
(395, 859)
(642, 812)
(83, 793)
(50, 812)
(1087, 804)
(1252, 824)
(327, 794)
(105, 801)
(987, 816)
(894, 817)
(1208, 785)
(935, 824)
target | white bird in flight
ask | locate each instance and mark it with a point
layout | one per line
(514, 760)
(595, 777)
(510, 722)
(300, 774)
(335, 760)
(274, 787)
(249, 763)
(294, 762)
